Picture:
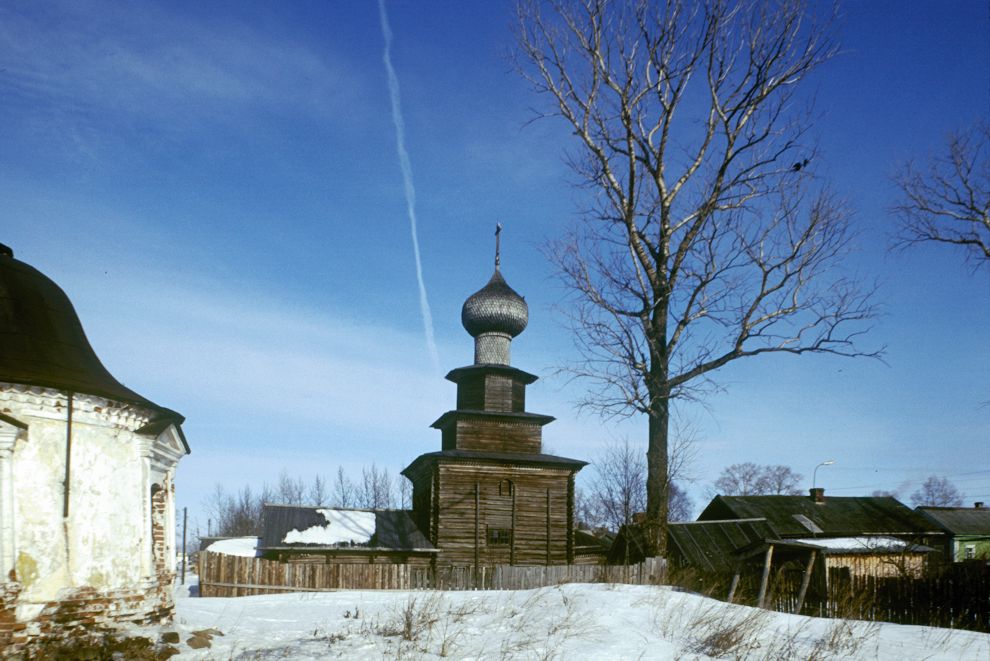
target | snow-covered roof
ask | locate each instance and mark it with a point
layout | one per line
(246, 547)
(864, 544)
(309, 528)
(341, 526)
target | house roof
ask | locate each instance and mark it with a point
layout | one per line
(711, 546)
(960, 520)
(838, 516)
(313, 528)
(42, 342)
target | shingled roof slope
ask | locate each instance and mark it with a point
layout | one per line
(711, 546)
(838, 516)
(960, 520)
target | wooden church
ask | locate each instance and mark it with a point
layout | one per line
(490, 495)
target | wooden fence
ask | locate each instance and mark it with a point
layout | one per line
(957, 596)
(223, 575)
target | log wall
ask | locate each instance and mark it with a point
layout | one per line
(532, 503)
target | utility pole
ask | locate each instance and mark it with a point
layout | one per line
(184, 558)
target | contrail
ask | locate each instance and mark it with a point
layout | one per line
(407, 178)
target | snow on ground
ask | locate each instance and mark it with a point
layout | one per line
(355, 526)
(246, 547)
(566, 622)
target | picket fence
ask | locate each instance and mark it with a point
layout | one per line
(222, 575)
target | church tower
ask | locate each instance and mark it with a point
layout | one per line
(491, 496)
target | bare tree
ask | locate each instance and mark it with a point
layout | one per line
(405, 492)
(319, 493)
(238, 514)
(949, 201)
(739, 480)
(344, 492)
(937, 492)
(780, 480)
(749, 479)
(375, 490)
(290, 491)
(706, 238)
(618, 488)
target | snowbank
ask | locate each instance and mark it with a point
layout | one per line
(565, 622)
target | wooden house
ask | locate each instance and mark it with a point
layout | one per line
(815, 516)
(967, 531)
(815, 540)
(490, 495)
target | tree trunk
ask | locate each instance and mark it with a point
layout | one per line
(657, 478)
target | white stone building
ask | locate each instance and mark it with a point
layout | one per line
(87, 466)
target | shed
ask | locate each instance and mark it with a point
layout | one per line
(293, 533)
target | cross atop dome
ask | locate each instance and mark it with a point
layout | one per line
(494, 315)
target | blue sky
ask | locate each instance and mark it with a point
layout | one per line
(216, 187)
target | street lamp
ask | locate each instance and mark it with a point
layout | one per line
(814, 475)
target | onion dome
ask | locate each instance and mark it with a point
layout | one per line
(495, 308)
(493, 316)
(42, 342)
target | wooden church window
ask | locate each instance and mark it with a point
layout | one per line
(505, 488)
(499, 536)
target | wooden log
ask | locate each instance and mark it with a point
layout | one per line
(805, 581)
(765, 579)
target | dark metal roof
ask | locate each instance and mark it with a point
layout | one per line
(468, 456)
(712, 546)
(495, 308)
(42, 342)
(960, 520)
(519, 375)
(837, 516)
(394, 529)
(474, 414)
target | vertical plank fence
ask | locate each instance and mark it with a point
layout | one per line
(223, 575)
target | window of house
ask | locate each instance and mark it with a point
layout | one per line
(499, 536)
(505, 488)
(970, 551)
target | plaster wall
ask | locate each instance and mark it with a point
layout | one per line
(103, 551)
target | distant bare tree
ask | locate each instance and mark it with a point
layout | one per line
(937, 492)
(290, 490)
(236, 515)
(707, 238)
(319, 492)
(375, 490)
(344, 492)
(618, 487)
(881, 493)
(405, 492)
(780, 480)
(739, 480)
(681, 505)
(949, 201)
(749, 479)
